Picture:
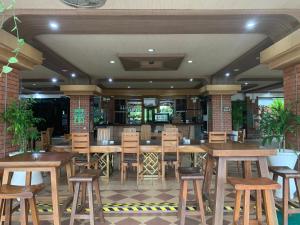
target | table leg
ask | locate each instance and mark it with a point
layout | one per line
(247, 169)
(264, 171)
(107, 167)
(55, 200)
(220, 192)
(5, 177)
(69, 174)
(208, 175)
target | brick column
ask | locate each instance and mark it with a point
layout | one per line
(220, 119)
(9, 92)
(84, 102)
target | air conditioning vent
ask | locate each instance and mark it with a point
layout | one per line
(85, 3)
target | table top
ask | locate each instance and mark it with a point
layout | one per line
(238, 150)
(44, 159)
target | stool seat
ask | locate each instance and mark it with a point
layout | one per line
(87, 175)
(253, 183)
(190, 173)
(285, 171)
(12, 192)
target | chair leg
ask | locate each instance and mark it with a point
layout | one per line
(75, 201)
(246, 207)
(98, 197)
(183, 202)
(237, 207)
(163, 170)
(268, 207)
(198, 194)
(83, 195)
(258, 207)
(180, 199)
(23, 212)
(297, 182)
(91, 203)
(286, 191)
(34, 213)
(176, 171)
(8, 208)
(122, 173)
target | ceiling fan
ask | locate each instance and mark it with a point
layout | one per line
(85, 3)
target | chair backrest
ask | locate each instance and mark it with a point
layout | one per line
(103, 134)
(130, 142)
(81, 143)
(171, 129)
(145, 132)
(241, 136)
(168, 126)
(49, 134)
(129, 129)
(44, 140)
(217, 137)
(169, 141)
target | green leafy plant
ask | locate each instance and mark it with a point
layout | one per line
(238, 119)
(7, 10)
(21, 123)
(277, 121)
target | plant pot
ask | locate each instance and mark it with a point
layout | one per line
(286, 158)
(19, 177)
(235, 135)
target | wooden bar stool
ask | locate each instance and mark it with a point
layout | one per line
(260, 186)
(287, 173)
(87, 179)
(26, 195)
(193, 174)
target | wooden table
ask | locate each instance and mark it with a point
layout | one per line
(222, 153)
(44, 162)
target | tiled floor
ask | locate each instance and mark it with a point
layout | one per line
(149, 191)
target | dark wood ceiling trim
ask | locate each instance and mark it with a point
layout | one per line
(266, 88)
(40, 80)
(260, 79)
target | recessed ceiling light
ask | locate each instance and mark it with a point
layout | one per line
(172, 87)
(251, 24)
(112, 61)
(191, 79)
(64, 70)
(151, 50)
(110, 80)
(227, 74)
(236, 70)
(150, 81)
(128, 87)
(190, 61)
(246, 83)
(34, 84)
(73, 75)
(54, 80)
(53, 25)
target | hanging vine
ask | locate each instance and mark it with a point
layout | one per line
(8, 10)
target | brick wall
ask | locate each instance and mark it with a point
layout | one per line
(12, 94)
(220, 121)
(77, 101)
(291, 87)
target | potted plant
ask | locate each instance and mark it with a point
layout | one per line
(21, 125)
(237, 118)
(277, 121)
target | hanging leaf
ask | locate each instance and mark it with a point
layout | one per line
(6, 69)
(17, 19)
(9, 7)
(15, 28)
(2, 8)
(21, 42)
(13, 60)
(16, 50)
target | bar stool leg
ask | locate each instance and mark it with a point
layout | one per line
(75, 201)
(258, 207)
(34, 214)
(98, 197)
(8, 207)
(163, 170)
(83, 194)
(23, 212)
(297, 182)
(180, 199)
(246, 207)
(198, 194)
(285, 201)
(237, 207)
(91, 203)
(268, 207)
(183, 202)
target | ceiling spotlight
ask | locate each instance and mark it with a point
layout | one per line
(191, 79)
(190, 61)
(110, 80)
(236, 70)
(54, 80)
(172, 87)
(151, 50)
(112, 61)
(150, 81)
(227, 74)
(53, 25)
(246, 83)
(34, 84)
(250, 24)
(64, 70)
(73, 75)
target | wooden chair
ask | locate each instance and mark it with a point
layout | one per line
(49, 132)
(45, 140)
(241, 136)
(86, 179)
(287, 173)
(186, 175)
(130, 155)
(26, 196)
(217, 137)
(145, 132)
(168, 126)
(261, 186)
(129, 129)
(81, 145)
(103, 134)
(170, 152)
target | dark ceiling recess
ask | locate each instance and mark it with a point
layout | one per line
(85, 3)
